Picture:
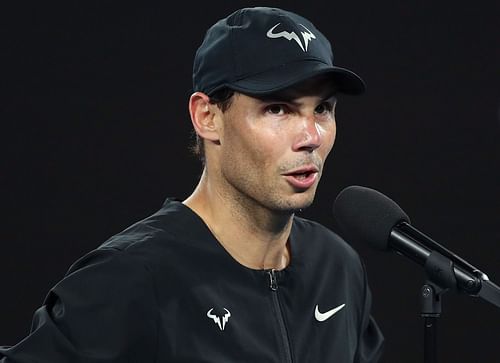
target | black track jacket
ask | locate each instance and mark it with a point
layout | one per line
(165, 290)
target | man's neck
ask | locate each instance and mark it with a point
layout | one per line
(253, 235)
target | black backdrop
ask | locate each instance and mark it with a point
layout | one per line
(95, 127)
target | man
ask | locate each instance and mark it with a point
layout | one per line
(229, 274)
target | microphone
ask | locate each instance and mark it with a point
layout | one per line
(365, 215)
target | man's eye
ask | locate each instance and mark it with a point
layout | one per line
(324, 107)
(276, 109)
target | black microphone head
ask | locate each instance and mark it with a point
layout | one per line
(364, 215)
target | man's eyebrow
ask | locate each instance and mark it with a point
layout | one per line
(275, 97)
(289, 98)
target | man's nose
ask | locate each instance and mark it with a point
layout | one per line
(309, 136)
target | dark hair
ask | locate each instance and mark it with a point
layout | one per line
(223, 98)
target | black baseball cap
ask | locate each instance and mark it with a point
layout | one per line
(262, 50)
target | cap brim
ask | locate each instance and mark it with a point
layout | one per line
(343, 80)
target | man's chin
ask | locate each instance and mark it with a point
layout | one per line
(296, 204)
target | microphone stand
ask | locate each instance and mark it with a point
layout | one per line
(430, 299)
(439, 270)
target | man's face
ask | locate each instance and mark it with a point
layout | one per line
(272, 150)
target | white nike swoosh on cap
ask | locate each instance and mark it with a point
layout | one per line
(327, 315)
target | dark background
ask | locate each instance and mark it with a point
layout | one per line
(95, 132)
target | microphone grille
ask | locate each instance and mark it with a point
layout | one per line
(365, 215)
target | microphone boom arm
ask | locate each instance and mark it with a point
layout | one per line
(443, 267)
(429, 242)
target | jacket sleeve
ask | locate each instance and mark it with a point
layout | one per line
(103, 310)
(370, 340)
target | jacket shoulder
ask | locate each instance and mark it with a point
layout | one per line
(321, 238)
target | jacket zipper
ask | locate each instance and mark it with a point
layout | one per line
(273, 285)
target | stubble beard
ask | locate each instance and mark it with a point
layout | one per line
(262, 193)
(252, 195)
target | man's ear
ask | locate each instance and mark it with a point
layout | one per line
(203, 116)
